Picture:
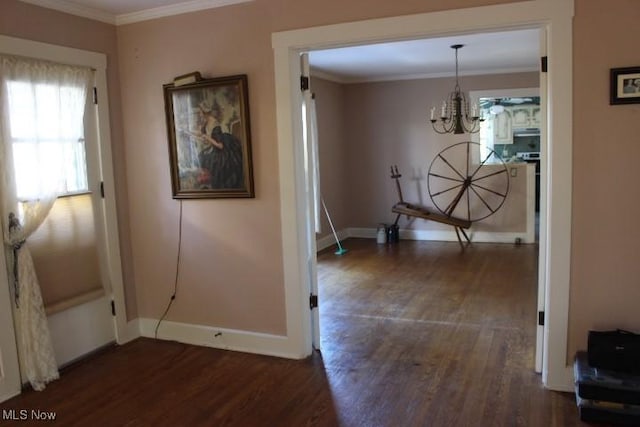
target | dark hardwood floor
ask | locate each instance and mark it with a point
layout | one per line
(413, 334)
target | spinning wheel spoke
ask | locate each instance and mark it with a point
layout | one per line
(451, 166)
(481, 164)
(468, 157)
(484, 180)
(446, 191)
(483, 201)
(468, 207)
(454, 203)
(491, 174)
(445, 177)
(489, 190)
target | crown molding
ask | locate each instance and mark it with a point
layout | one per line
(75, 9)
(130, 18)
(177, 9)
(336, 78)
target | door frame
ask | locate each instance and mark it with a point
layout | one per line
(556, 18)
(98, 62)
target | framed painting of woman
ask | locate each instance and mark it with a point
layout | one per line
(209, 138)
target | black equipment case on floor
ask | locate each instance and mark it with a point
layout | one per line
(606, 396)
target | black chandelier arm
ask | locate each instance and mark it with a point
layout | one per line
(444, 129)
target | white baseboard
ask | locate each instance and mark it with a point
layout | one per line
(564, 382)
(329, 240)
(226, 339)
(362, 233)
(132, 331)
(435, 235)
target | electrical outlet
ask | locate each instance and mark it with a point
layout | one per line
(514, 172)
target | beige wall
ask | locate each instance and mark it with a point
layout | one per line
(221, 238)
(387, 123)
(332, 151)
(18, 19)
(231, 274)
(231, 261)
(605, 267)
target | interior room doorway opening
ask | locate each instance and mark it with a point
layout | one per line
(555, 259)
(309, 159)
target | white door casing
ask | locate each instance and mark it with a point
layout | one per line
(310, 184)
(542, 242)
(556, 18)
(100, 162)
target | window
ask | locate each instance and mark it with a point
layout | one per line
(47, 138)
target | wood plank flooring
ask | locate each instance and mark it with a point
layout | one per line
(413, 334)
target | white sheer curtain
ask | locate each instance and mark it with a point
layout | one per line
(41, 122)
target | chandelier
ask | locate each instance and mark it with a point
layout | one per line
(455, 116)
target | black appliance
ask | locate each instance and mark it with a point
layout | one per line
(533, 157)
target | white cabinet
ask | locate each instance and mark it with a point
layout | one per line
(525, 116)
(496, 129)
(503, 128)
(521, 116)
(535, 116)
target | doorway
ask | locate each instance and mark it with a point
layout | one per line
(385, 123)
(555, 248)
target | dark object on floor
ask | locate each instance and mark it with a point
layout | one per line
(393, 233)
(614, 350)
(605, 396)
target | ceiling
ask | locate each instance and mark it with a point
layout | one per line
(116, 7)
(120, 12)
(483, 53)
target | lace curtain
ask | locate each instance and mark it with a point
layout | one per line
(41, 105)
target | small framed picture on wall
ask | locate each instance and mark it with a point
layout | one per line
(625, 85)
(209, 138)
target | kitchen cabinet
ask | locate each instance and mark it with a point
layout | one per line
(496, 129)
(503, 128)
(525, 116)
(520, 117)
(535, 116)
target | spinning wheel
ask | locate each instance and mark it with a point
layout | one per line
(468, 183)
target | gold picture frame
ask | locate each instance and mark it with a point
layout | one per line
(209, 138)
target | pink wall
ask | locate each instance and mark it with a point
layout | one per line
(231, 261)
(332, 148)
(216, 287)
(231, 250)
(30, 22)
(605, 270)
(388, 124)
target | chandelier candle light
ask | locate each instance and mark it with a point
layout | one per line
(454, 115)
